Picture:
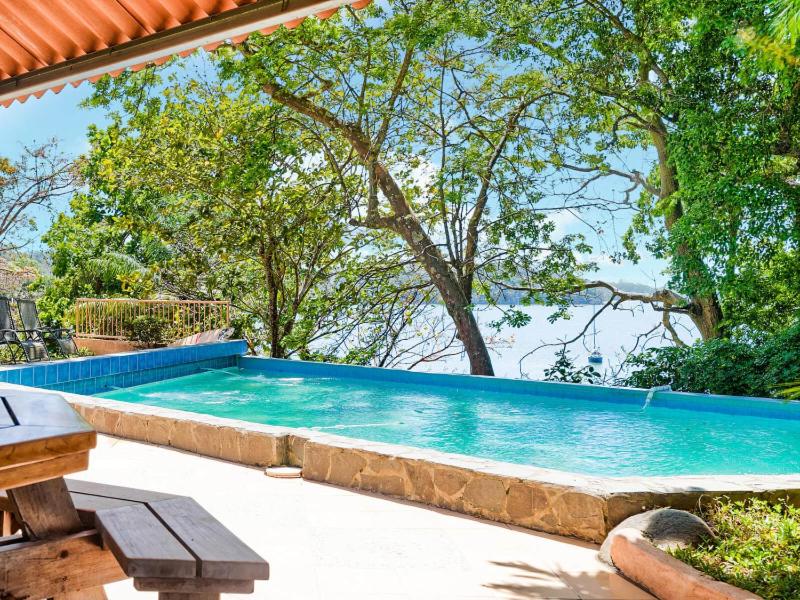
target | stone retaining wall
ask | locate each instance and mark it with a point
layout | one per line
(545, 500)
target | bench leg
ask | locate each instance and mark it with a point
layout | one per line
(9, 524)
(182, 596)
(45, 510)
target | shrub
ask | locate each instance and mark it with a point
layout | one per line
(148, 330)
(744, 365)
(565, 370)
(757, 548)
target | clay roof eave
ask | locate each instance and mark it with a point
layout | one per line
(53, 70)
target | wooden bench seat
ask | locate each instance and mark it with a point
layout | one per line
(167, 543)
(89, 497)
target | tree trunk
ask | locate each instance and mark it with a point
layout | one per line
(273, 312)
(706, 312)
(405, 223)
(480, 362)
(442, 275)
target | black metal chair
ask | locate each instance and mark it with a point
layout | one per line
(61, 336)
(27, 345)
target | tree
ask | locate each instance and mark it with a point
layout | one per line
(30, 184)
(669, 82)
(92, 254)
(217, 193)
(410, 98)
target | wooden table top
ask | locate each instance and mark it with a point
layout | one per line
(36, 427)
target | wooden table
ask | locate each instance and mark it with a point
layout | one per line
(42, 439)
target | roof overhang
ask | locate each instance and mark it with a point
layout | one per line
(54, 70)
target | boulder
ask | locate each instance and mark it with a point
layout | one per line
(665, 528)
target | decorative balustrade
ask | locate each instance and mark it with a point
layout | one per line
(115, 318)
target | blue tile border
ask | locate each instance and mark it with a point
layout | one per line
(94, 374)
(106, 383)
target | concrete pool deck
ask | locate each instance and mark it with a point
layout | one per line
(331, 543)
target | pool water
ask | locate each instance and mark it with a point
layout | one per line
(586, 436)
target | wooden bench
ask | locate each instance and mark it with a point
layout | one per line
(167, 543)
(88, 497)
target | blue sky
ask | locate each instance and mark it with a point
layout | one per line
(60, 116)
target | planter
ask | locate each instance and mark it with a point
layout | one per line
(99, 346)
(636, 555)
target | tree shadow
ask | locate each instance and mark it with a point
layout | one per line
(528, 581)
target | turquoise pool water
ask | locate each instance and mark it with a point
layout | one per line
(587, 436)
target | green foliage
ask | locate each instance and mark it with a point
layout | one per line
(740, 365)
(790, 391)
(757, 548)
(7, 354)
(200, 190)
(95, 254)
(715, 124)
(149, 330)
(779, 43)
(564, 369)
(416, 89)
(334, 178)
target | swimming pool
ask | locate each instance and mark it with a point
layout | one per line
(605, 432)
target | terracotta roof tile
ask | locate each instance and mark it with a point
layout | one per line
(36, 37)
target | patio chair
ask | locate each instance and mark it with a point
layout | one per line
(61, 336)
(22, 344)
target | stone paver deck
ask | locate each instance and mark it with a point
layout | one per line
(329, 543)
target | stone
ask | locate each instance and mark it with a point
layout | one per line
(283, 472)
(622, 506)
(665, 528)
(384, 465)
(258, 449)
(392, 485)
(420, 477)
(182, 436)
(449, 481)
(487, 494)
(577, 505)
(295, 450)
(519, 502)
(576, 514)
(317, 461)
(206, 438)
(131, 426)
(106, 421)
(230, 443)
(158, 430)
(345, 465)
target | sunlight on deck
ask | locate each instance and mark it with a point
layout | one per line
(324, 542)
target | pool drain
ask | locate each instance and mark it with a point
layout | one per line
(283, 472)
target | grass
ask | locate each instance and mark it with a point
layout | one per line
(757, 548)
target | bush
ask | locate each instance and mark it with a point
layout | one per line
(565, 370)
(148, 330)
(757, 549)
(744, 365)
